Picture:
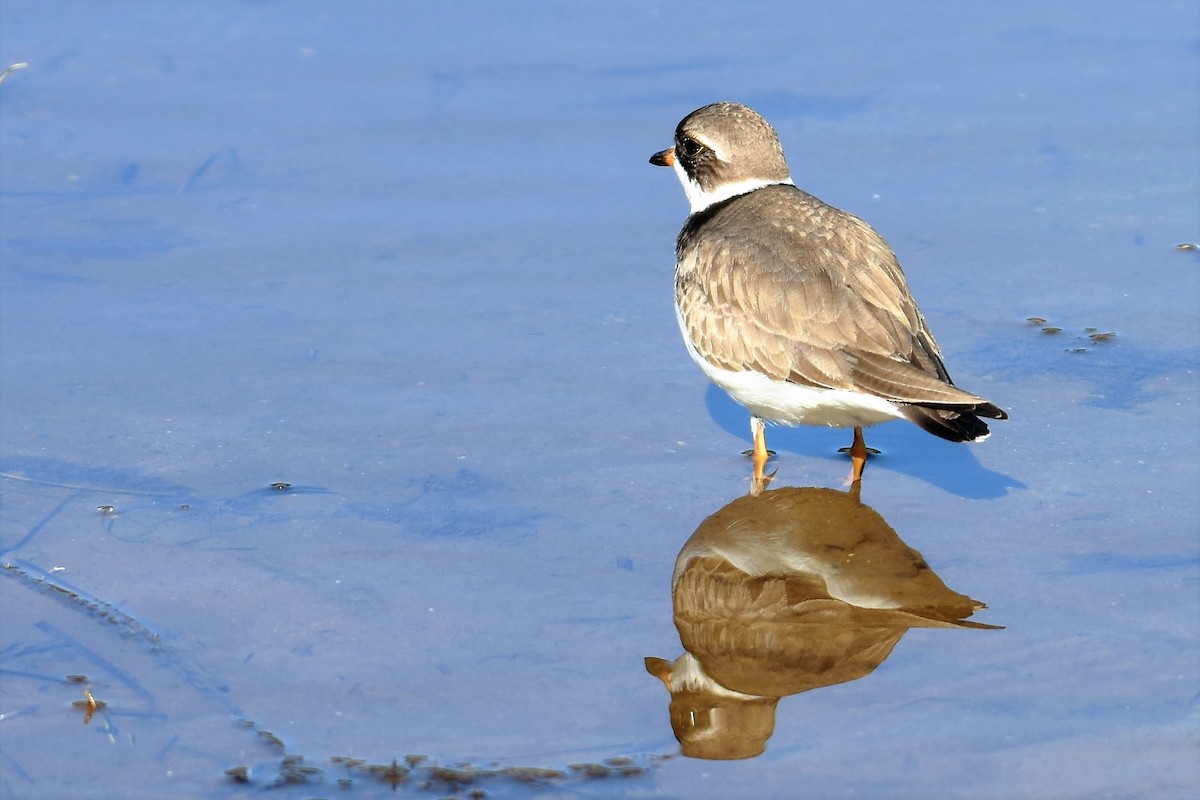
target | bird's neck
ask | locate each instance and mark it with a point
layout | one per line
(700, 198)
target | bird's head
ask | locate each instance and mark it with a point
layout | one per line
(723, 150)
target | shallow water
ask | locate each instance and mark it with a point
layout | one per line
(410, 260)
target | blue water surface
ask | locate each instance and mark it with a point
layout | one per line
(408, 262)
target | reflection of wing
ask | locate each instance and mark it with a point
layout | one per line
(825, 544)
(784, 592)
(781, 634)
(799, 588)
(816, 298)
(751, 637)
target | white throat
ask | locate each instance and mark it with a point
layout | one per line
(699, 199)
(687, 674)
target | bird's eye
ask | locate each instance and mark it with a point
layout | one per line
(689, 147)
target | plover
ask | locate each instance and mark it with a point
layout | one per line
(797, 309)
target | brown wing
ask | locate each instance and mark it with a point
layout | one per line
(786, 285)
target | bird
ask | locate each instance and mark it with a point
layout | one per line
(798, 310)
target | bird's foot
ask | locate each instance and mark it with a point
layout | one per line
(759, 482)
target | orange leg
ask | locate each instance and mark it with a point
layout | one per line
(760, 454)
(858, 456)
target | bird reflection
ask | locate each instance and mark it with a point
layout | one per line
(784, 591)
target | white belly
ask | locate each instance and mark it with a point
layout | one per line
(793, 404)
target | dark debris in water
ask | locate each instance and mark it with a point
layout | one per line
(97, 609)
(239, 774)
(460, 779)
(271, 739)
(611, 768)
(532, 774)
(392, 774)
(1090, 335)
(1119, 372)
(294, 772)
(591, 770)
(454, 775)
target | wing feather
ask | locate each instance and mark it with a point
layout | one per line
(783, 284)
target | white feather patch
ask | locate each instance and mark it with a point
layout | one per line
(699, 199)
(790, 403)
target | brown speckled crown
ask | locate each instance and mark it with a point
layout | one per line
(737, 144)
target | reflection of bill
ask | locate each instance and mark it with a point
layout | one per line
(785, 592)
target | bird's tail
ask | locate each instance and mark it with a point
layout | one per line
(955, 423)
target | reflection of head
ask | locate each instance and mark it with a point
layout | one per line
(709, 720)
(785, 592)
(714, 727)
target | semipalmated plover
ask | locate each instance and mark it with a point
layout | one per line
(797, 309)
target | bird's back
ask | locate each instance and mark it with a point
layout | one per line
(789, 277)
